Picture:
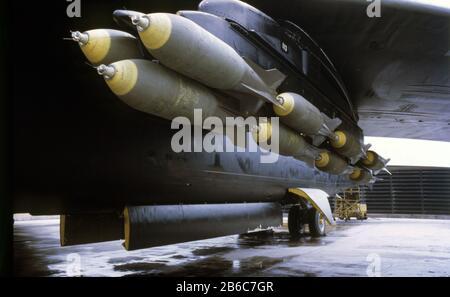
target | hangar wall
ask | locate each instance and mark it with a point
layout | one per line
(410, 190)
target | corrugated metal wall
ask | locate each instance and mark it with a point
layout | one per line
(410, 190)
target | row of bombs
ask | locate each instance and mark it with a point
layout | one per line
(192, 64)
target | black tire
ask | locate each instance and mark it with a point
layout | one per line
(316, 223)
(295, 224)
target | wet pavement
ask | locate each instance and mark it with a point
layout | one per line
(376, 247)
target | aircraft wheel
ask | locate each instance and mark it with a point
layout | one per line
(316, 223)
(295, 222)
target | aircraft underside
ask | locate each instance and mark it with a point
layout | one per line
(113, 172)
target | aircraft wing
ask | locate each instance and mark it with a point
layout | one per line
(395, 67)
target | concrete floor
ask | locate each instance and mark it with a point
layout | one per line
(376, 247)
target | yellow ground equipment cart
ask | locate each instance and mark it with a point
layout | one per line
(350, 206)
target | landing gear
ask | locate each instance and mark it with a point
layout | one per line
(299, 216)
(316, 223)
(295, 221)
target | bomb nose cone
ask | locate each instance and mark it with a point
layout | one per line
(286, 106)
(154, 29)
(121, 77)
(106, 71)
(142, 22)
(81, 38)
(280, 99)
(262, 133)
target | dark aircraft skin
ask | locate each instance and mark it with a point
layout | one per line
(78, 149)
(396, 67)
